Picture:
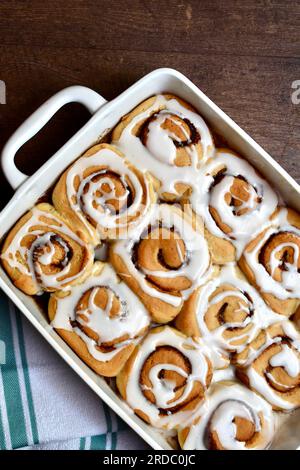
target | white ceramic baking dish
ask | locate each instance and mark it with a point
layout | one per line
(105, 116)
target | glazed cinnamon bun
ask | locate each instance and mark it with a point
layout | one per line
(232, 418)
(164, 262)
(234, 201)
(271, 261)
(42, 253)
(103, 195)
(101, 320)
(166, 377)
(226, 312)
(270, 365)
(167, 137)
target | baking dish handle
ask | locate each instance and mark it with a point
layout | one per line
(80, 94)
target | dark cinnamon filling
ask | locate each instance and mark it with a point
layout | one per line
(160, 257)
(220, 176)
(284, 261)
(194, 138)
(282, 388)
(245, 429)
(113, 210)
(103, 347)
(61, 257)
(164, 261)
(180, 381)
(222, 311)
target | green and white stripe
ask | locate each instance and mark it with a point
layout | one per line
(11, 383)
(5, 441)
(23, 375)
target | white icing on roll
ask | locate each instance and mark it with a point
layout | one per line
(225, 402)
(163, 390)
(196, 266)
(87, 202)
(159, 155)
(130, 321)
(257, 313)
(258, 383)
(223, 374)
(253, 353)
(45, 236)
(288, 358)
(243, 225)
(289, 287)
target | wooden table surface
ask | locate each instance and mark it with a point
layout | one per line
(244, 54)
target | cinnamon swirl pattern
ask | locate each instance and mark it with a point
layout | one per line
(234, 202)
(271, 366)
(232, 418)
(272, 262)
(166, 136)
(101, 319)
(192, 237)
(103, 195)
(164, 262)
(166, 377)
(227, 313)
(42, 253)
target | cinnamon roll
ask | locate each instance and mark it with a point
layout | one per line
(227, 313)
(163, 263)
(231, 418)
(42, 253)
(166, 136)
(270, 365)
(271, 261)
(234, 201)
(165, 378)
(101, 320)
(103, 195)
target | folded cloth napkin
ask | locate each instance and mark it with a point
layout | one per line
(43, 403)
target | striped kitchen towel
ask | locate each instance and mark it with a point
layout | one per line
(43, 403)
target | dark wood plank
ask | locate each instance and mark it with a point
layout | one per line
(243, 54)
(259, 27)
